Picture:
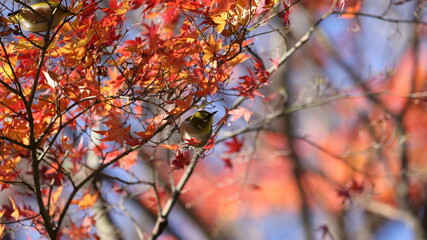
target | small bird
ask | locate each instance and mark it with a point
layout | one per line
(199, 127)
(39, 17)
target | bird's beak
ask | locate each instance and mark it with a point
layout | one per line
(214, 113)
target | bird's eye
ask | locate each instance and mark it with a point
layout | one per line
(205, 119)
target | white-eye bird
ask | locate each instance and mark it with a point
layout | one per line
(198, 126)
(39, 17)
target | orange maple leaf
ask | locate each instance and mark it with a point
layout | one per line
(238, 59)
(172, 147)
(2, 226)
(352, 9)
(86, 201)
(116, 132)
(182, 105)
(53, 168)
(81, 231)
(116, 81)
(151, 129)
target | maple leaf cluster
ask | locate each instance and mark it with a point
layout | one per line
(98, 85)
(181, 160)
(252, 82)
(109, 81)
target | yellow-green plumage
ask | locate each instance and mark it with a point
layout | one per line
(40, 17)
(198, 126)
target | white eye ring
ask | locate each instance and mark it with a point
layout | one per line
(205, 119)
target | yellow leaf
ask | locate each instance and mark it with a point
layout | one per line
(56, 194)
(220, 20)
(55, 197)
(15, 213)
(9, 167)
(211, 48)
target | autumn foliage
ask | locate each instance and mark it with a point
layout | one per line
(89, 113)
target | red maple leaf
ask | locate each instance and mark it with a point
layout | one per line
(248, 87)
(275, 61)
(211, 143)
(284, 14)
(234, 145)
(261, 73)
(250, 84)
(151, 129)
(181, 160)
(192, 141)
(117, 131)
(227, 162)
